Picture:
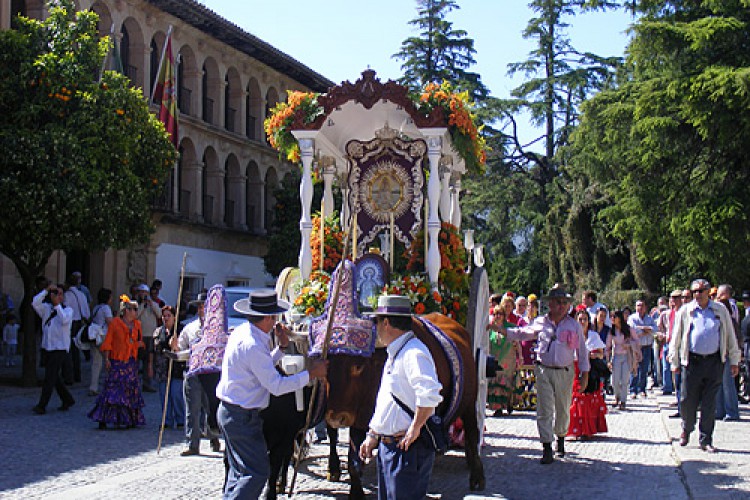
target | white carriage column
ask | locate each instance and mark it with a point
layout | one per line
(434, 138)
(445, 193)
(456, 204)
(307, 149)
(328, 166)
(343, 180)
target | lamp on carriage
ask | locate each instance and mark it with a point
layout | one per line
(469, 244)
(479, 255)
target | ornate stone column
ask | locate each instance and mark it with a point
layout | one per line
(434, 138)
(343, 180)
(328, 166)
(445, 193)
(307, 149)
(456, 204)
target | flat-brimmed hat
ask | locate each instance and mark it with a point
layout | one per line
(676, 294)
(261, 303)
(557, 292)
(200, 299)
(392, 305)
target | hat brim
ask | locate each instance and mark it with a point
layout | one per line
(242, 306)
(383, 313)
(196, 302)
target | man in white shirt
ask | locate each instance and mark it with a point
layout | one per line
(248, 378)
(404, 464)
(79, 304)
(644, 327)
(56, 320)
(588, 298)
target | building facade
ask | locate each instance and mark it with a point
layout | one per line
(217, 206)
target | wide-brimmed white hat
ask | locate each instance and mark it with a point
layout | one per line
(392, 305)
(261, 303)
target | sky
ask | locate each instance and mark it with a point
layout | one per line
(341, 38)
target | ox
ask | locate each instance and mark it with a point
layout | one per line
(353, 383)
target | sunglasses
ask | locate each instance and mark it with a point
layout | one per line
(698, 290)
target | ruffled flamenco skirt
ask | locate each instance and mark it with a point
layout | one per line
(120, 404)
(587, 411)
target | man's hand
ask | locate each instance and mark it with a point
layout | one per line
(369, 444)
(282, 335)
(412, 434)
(735, 369)
(318, 368)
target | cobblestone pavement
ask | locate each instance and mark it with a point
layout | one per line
(64, 455)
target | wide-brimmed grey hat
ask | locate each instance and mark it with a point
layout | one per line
(261, 303)
(558, 292)
(392, 305)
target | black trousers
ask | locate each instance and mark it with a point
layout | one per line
(209, 381)
(701, 380)
(53, 364)
(72, 366)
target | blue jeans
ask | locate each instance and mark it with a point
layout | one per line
(404, 474)
(727, 404)
(638, 381)
(668, 387)
(246, 451)
(175, 402)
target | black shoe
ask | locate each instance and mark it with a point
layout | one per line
(66, 406)
(215, 445)
(148, 388)
(187, 452)
(102, 426)
(709, 448)
(39, 410)
(547, 455)
(560, 447)
(684, 438)
(675, 415)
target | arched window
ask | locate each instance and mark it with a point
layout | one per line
(208, 103)
(130, 69)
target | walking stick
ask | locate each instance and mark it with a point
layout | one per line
(324, 354)
(171, 358)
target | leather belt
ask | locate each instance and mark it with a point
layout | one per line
(703, 356)
(539, 363)
(391, 439)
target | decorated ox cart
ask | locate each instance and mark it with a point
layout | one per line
(397, 160)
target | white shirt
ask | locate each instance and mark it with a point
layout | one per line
(191, 333)
(102, 313)
(248, 373)
(56, 332)
(76, 300)
(412, 377)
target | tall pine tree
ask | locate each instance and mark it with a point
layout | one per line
(439, 52)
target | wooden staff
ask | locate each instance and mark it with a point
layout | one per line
(324, 354)
(171, 358)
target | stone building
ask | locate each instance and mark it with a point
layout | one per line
(217, 206)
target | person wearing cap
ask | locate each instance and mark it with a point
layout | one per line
(665, 327)
(404, 463)
(727, 402)
(248, 378)
(120, 403)
(702, 342)
(196, 400)
(560, 342)
(745, 329)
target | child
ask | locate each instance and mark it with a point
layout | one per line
(10, 339)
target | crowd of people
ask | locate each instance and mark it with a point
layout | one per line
(690, 344)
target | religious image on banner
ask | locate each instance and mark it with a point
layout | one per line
(386, 180)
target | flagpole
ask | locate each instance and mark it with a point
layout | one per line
(161, 62)
(106, 57)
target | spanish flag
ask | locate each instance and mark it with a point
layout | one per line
(165, 91)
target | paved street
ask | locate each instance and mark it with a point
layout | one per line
(64, 455)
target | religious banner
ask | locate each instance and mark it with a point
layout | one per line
(386, 181)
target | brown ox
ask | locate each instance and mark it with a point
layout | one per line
(353, 383)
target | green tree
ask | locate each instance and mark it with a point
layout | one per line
(81, 157)
(440, 52)
(668, 144)
(559, 79)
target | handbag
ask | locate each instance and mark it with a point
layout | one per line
(433, 432)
